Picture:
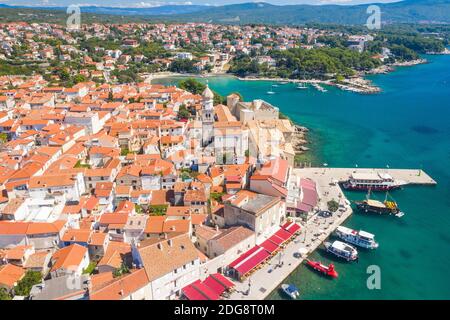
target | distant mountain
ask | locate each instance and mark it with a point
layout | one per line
(152, 11)
(407, 11)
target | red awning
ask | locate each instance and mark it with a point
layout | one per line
(222, 280)
(206, 291)
(243, 256)
(269, 246)
(283, 234)
(252, 261)
(192, 294)
(287, 224)
(291, 227)
(199, 291)
(214, 285)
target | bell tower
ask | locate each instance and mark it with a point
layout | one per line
(207, 116)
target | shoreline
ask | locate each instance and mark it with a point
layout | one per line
(358, 84)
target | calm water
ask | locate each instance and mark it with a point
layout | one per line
(406, 126)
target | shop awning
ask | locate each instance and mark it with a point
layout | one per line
(214, 285)
(199, 291)
(269, 246)
(276, 240)
(291, 227)
(283, 234)
(243, 256)
(210, 289)
(252, 261)
(192, 293)
(222, 280)
(206, 291)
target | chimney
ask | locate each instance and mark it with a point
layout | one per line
(217, 228)
(121, 292)
(160, 246)
(170, 242)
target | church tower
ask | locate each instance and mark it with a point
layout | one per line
(207, 116)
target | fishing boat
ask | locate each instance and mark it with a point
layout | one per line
(342, 250)
(371, 180)
(284, 82)
(360, 238)
(389, 207)
(290, 290)
(326, 270)
(302, 86)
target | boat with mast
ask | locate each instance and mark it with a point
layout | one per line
(388, 206)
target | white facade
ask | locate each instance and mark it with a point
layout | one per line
(207, 117)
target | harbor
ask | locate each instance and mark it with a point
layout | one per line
(343, 134)
(267, 277)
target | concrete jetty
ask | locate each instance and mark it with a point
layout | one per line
(402, 176)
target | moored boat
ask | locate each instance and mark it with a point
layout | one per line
(360, 238)
(326, 270)
(371, 181)
(389, 207)
(290, 290)
(342, 250)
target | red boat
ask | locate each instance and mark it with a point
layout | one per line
(329, 271)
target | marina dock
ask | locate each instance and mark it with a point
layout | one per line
(314, 232)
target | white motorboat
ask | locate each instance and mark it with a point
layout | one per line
(342, 250)
(358, 238)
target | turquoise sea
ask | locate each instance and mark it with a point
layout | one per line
(405, 126)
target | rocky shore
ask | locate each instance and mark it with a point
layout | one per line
(299, 139)
(409, 63)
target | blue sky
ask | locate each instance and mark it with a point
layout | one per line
(152, 3)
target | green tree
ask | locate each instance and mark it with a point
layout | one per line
(4, 295)
(90, 268)
(333, 205)
(196, 87)
(183, 112)
(183, 66)
(123, 269)
(24, 286)
(3, 137)
(192, 85)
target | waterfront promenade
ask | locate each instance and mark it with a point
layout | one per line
(313, 233)
(266, 279)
